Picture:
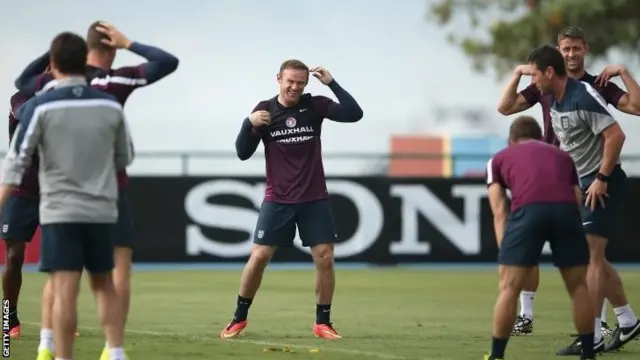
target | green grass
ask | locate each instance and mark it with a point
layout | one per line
(383, 314)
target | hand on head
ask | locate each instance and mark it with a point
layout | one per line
(114, 37)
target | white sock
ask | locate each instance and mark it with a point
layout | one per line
(626, 316)
(597, 334)
(116, 354)
(603, 315)
(526, 303)
(46, 340)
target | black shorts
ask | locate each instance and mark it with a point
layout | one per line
(601, 221)
(529, 227)
(124, 233)
(77, 246)
(277, 224)
(20, 218)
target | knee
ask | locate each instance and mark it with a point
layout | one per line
(323, 256)
(510, 283)
(261, 255)
(597, 250)
(101, 282)
(597, 260)
(122, 282)
(509, 288)
(575, 280)
(122, 270)
(15, 257)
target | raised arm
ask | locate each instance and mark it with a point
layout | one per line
(249, 136)
(17, 100)
(511, 101)
(28, 81)
(124, 151)
(247, 141)
(627, 102)
(159, 62)
(345, 110)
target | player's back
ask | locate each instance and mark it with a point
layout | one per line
(79, 126)
(119, 82)
(535, 172)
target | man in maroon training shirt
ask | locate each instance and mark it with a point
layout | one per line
(545, 206)
(290, 125)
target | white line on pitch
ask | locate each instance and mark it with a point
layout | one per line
(379, 355)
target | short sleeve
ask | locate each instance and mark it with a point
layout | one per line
(493, 172)
(612, 93)
(531, 94)
(593, 109)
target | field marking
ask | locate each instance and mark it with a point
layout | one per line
(307, 347)
(152, 267)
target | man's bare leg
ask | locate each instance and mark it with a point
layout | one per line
(249, 284)
(122, 257)
(528, 293)
(66, 286)
(46, 318)
(596, 278)
(325, 287)
(110, 312)
(618, 298)
(628, 324)
(583, 309)
(524, 322)
(12, 281)
(512, 279)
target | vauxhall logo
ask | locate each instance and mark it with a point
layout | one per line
(416, 202)
(293, 131)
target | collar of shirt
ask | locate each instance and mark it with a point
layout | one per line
(71, 81)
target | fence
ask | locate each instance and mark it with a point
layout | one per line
(378, 220)
(167, 163)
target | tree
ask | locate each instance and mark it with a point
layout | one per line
(522, 25)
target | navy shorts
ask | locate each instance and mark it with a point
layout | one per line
(20, 218)
(124, 233)
(277, 224)
(601, 221)
(77, 246)
(531, 226)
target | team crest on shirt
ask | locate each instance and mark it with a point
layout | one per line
(260, 234)
(564, 122)
(290, 122)
(77, 91)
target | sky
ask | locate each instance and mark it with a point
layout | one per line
(398, 66)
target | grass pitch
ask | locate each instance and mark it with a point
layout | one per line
(382, 313)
